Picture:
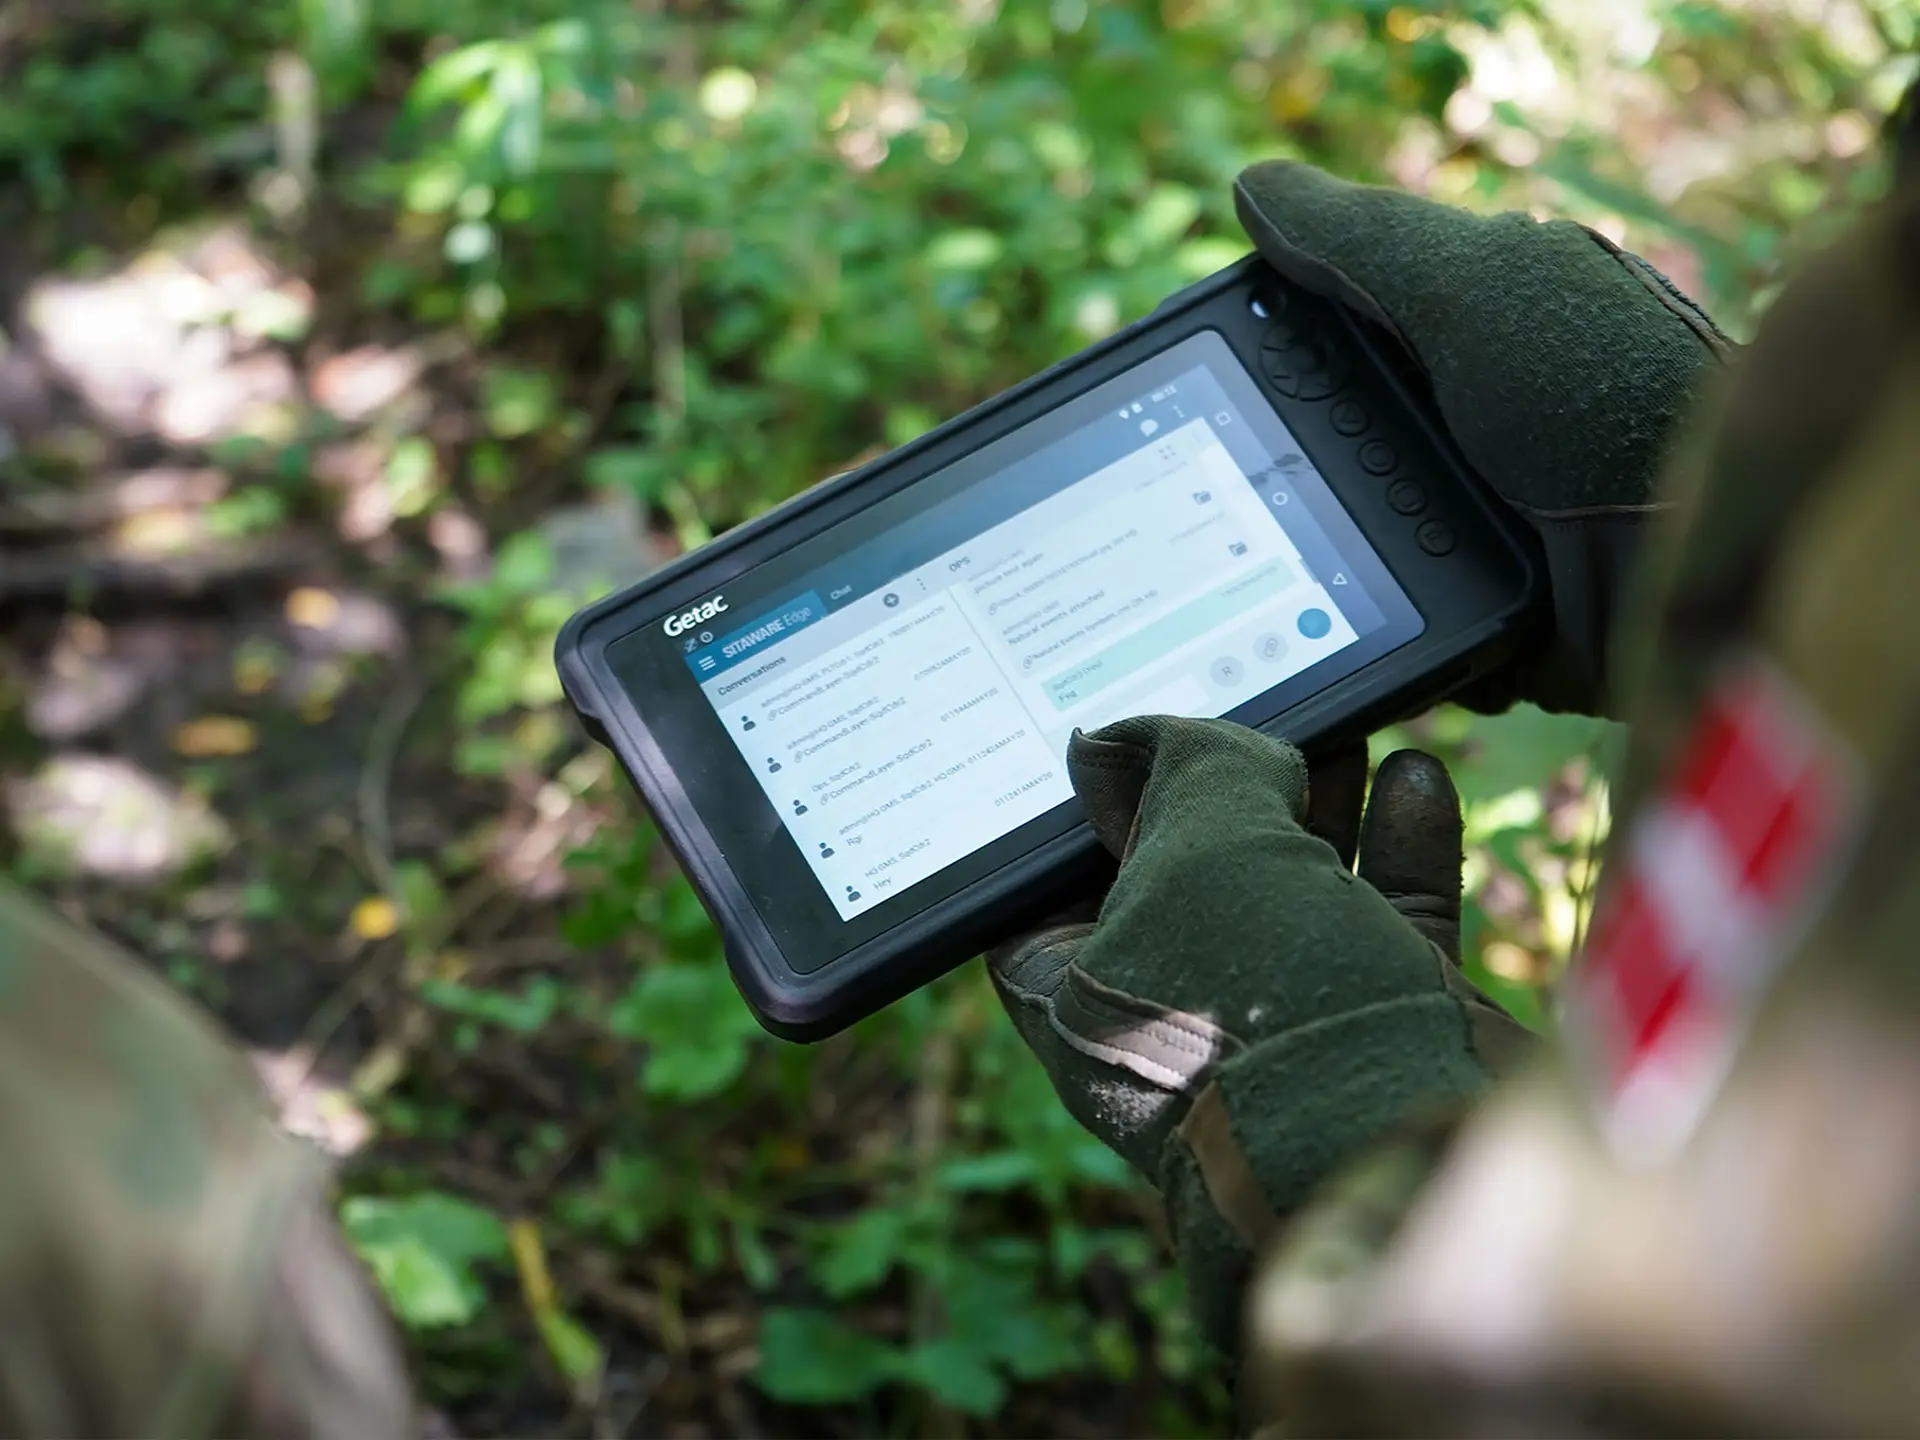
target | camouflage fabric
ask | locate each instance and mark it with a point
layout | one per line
(1757, 1273)
(168, 1262)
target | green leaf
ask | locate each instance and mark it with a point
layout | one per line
(332, 28)
(1167, 213)
(1003, 1171)
(994, 1307)
(412, 476)
(963, 251)
(422, 1251)
(524, 564)
(696, 1029)
(1523, 747)
(519, 402)
(1571, 165)
(524, 1013)
(422, 900)
(757, 1264)
(454, 73)
(957, 1375)
(861, 1253)
(1207, 255)
(572, 1346)
(1702, 20)
(808, 1357)
(633, 468)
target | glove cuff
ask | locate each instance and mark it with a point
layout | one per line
(1282, 1117)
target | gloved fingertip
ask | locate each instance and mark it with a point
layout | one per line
(1274, 179)
(1410, 775)
(1411, 835)
(1322, 234)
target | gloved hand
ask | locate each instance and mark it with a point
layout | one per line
(1560, 363)
(1245, 1013)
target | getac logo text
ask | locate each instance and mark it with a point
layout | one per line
(698, 615)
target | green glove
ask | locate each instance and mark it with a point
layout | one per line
(1245, 1014)
(1560, 363)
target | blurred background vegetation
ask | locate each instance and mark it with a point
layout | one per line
(349, 345)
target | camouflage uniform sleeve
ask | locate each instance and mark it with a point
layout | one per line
(167, 1265)
(324, 1363)
(1735, 1252)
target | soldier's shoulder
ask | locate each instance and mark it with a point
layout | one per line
(107, 1074)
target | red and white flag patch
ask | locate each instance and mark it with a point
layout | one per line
(1718, 879)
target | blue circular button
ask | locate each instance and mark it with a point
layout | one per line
(1314, 624)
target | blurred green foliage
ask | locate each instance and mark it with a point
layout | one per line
(705, 254)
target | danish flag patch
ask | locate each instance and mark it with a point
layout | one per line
(1717, 881)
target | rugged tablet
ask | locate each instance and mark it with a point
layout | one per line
(849, 716)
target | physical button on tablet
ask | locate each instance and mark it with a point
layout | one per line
(1283, 331)
(1435, 537)
(1406, 497)
(1270, 647)
(1349, 417)
(1226, 671)
(1377, 457)
(1327, 376)
(1283, 378)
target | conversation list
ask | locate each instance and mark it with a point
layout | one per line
(900, 753)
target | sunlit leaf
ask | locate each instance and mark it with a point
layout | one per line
(963, 250)
(520, 91)
(424, 1251)
(454, 73)
(1523, 747)
(519, 402)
